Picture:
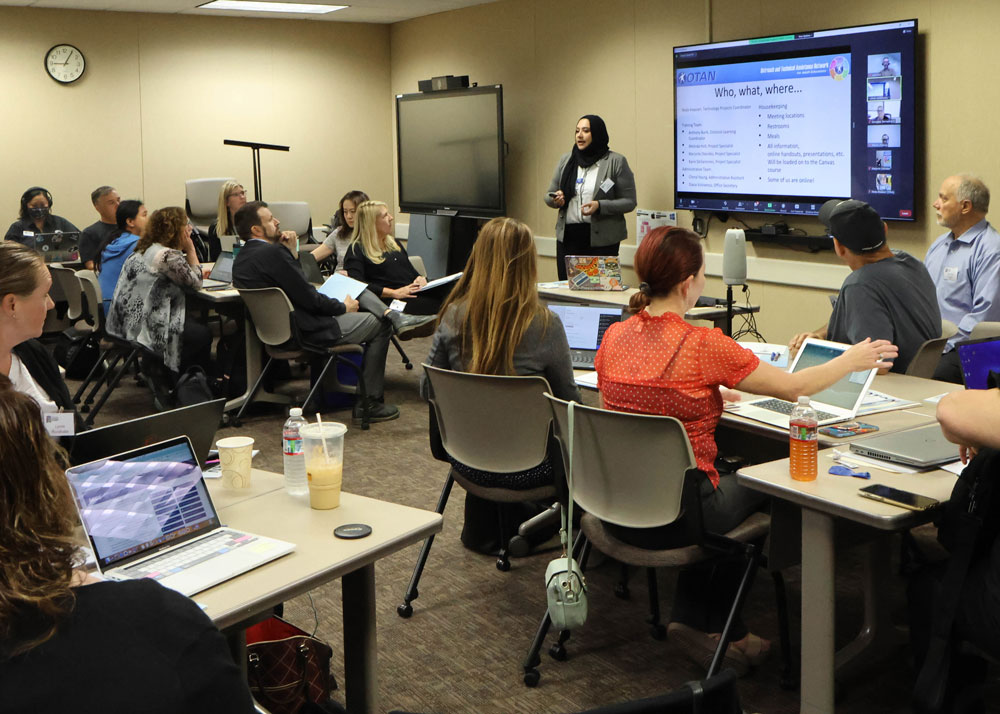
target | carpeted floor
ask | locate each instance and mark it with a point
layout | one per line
(462, 649)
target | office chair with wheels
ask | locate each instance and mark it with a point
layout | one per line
(293, 216)
(201, 200)
(638, 471)
(926, 360)
(271, 313)
(110, 347)
(70, 288)
(496, 424)
(985, 329)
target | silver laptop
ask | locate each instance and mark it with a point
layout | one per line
(835, 404)
(58, 247)
(148, 514)
(585, 326)
(221, 277)
(924, 447)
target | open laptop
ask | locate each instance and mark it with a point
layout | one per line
(835, 404)
(924, 447)
(148, 514)
(594, 272)
(59, 247)
(221, 277)
(585, 326)
(978, 358)
(199, 422)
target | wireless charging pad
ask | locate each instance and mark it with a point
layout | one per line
(351, 531)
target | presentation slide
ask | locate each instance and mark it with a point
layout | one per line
(779, 127)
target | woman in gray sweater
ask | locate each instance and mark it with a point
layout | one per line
(494, 323)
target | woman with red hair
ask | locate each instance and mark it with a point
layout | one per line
(656, 363)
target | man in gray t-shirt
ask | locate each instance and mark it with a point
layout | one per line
(888, 295)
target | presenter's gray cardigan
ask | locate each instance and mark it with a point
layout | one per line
(607, 226)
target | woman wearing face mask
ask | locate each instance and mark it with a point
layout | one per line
(592, 188)
(36, 217)
(339, 239)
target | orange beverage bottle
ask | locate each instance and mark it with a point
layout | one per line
(802, 441)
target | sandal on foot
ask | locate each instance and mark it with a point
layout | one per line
(700, 648)
(755, 649)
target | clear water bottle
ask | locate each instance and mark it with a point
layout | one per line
(802, 441)
(294, 456)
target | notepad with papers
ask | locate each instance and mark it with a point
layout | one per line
(337, 286)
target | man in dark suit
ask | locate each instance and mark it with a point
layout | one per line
(269, 258)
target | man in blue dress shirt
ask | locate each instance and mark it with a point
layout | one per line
(964, 264)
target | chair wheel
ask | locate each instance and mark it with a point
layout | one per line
(409, 365)
(503, 565)
(658, 632)
(557, 652)
(622, 592)
(405, 610)
(531, 677)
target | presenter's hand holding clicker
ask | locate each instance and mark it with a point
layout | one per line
(558, 199)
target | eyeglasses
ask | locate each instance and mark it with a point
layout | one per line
(237, 193)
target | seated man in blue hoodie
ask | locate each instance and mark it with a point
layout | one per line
(131, 217)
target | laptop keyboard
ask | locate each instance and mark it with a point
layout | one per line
(783, 407)
(207, 548)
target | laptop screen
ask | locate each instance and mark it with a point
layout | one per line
(585, 324)
(198, 422)
(223, 268)
(142, 501)
(978, 357)
(848, 390)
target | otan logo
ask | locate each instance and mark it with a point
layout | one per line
(840, 68)
(689, 77)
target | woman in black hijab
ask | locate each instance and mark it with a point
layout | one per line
(592, 188)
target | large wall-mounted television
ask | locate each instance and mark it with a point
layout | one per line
(450, 151)
(781, 124)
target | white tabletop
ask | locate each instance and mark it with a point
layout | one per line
(318, 557)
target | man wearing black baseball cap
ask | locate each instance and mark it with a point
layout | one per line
(889, 293)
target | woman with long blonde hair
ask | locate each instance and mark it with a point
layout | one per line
(232, 197)
(117, 647)
(494, 323)
(374, 257)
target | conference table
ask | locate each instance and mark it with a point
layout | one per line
(811, 518)
(831, 511)
(265, 509)
(717, 315)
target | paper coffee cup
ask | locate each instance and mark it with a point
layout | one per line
(235, 459)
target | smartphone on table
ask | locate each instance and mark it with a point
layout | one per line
(897, 497)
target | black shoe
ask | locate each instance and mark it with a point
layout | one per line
(377, 412)
(401, 322)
